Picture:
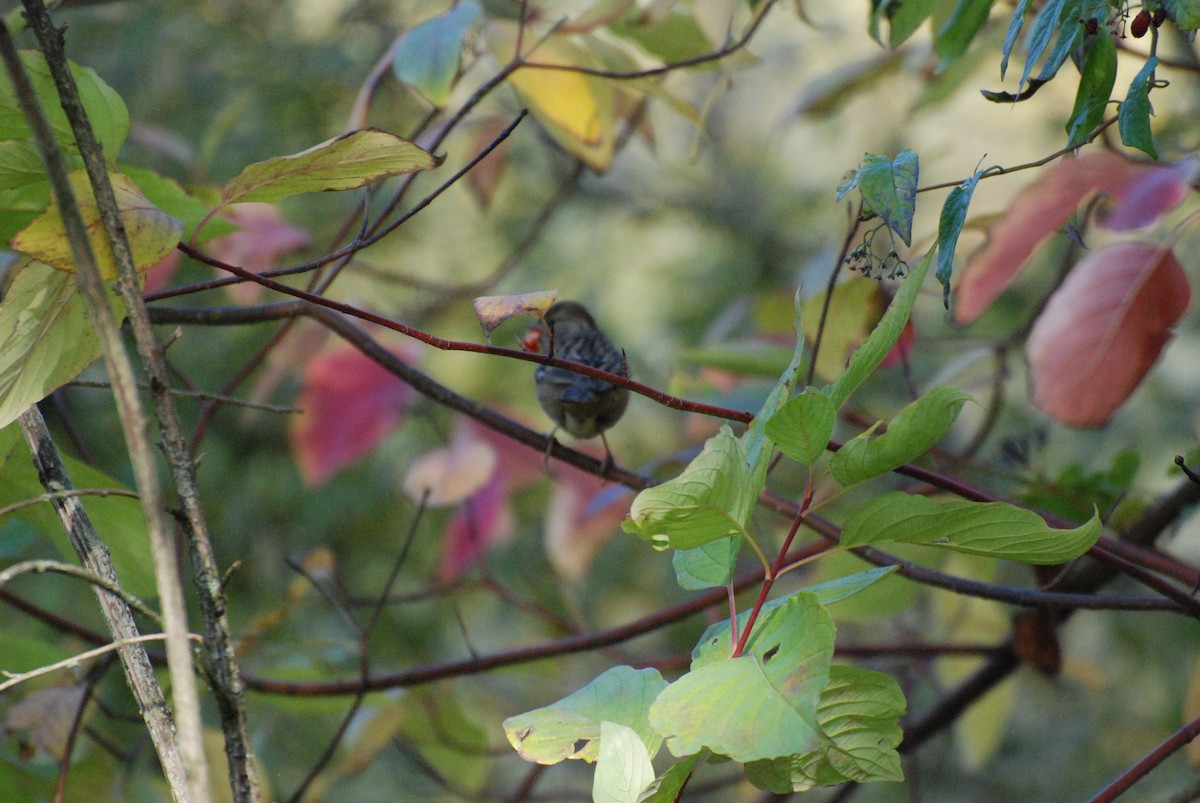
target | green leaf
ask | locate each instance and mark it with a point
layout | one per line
(959, 31)
(746, 358)
(105, 110)
(623, 768)
(706, 566)
(717, 644)
(427, 57)
(711, 499)
(859, 711)
(905, 17)
(570, 728)
(802, 427)
(1186, 13)
(1134, 112)
(20, 164)
(46, 337)
(670, 37)
(344, 163)
(915, 430)
(1095, 86)
(174, 200)
(994, 529)
(954, 215)
(671, 782)
(21, 206)
(117, 519)
(761, 704)
(889, 189)
(868, 356)
(1014, 30)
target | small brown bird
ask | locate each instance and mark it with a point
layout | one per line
(582, 405)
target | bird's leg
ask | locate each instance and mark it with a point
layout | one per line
(549, 448)
(608, 457)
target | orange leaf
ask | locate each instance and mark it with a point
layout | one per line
(1103, 329)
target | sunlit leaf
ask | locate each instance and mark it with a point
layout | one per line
(761, 704)
(995, 529)
(1135, 111)
(427, 56)
(859, 711)
(576, 109)
(570, 728)
(106, 111)
(708, 501)
(1103, 329)
(915, 430)
(716, 644)
(346, 162)
(623, 768)
(46, 337)
(152, 233)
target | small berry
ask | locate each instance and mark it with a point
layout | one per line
(1140, 24)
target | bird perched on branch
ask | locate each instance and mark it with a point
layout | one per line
(582, 405)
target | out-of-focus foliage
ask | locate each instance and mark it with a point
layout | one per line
(690, 170)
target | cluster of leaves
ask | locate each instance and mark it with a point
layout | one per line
(772, 700)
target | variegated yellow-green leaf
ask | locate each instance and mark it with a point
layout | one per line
(152, 233)
(343, 163)
(576, 109)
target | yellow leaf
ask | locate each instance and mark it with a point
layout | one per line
(152, 233)
(576, 109)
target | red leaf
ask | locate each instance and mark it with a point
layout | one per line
(484, 519)
(349, 405)
(1103, 329)
(1037, 212)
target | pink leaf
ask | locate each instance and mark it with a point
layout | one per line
(159, 274)
(584, 514)
(484, 519)
(1037, 212)
(1151, 194)
(262, 239)
(450, 475)
(349, 405)
(1103, 329)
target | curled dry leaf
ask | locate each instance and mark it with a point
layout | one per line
(1140, 193)
(495, 310)
(1103, 329)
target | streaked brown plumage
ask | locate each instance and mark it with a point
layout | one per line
(582, 405)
